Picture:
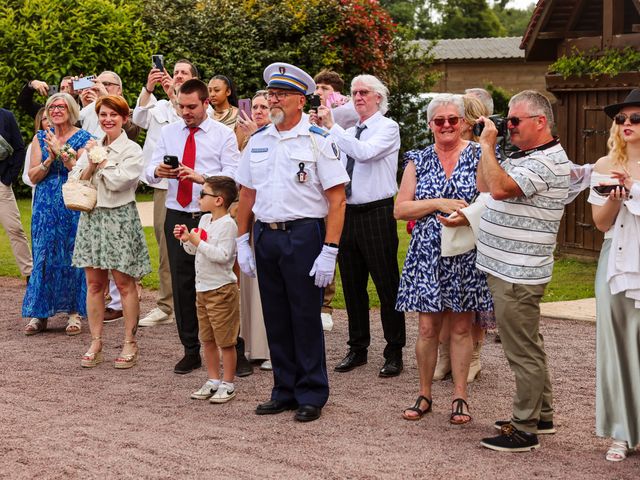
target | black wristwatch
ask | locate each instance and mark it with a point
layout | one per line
(333, 245)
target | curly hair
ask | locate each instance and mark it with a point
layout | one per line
(617, 146)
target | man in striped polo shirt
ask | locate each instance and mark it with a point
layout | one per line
(515, 247)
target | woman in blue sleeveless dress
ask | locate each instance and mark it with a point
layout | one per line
(440, 180)
(55, 286)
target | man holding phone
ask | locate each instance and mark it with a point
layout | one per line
(25, 98)
(208, 148)
(152, 114)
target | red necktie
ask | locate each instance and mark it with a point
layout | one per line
(185, 187)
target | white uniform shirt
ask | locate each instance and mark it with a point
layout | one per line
(89, 121)
(152, 117)
(216, 154)
(270, 164)
(215, 256)
(376, 156)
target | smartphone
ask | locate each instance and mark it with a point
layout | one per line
(83, 83)
(604, 190)
(157, 61)
(314, 102)
(171, 160)
(53, 89)
(244, 104)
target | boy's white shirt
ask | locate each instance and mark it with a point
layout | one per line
(215, 256)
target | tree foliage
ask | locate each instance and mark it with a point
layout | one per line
(514, 20)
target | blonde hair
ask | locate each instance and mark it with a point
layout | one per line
(473, 110)
(617, 146)
(72, 107)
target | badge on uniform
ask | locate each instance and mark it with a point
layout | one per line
(302, 175)
(336, 150)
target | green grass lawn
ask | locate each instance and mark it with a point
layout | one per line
(572, 279)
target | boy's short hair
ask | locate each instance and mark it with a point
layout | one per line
(225, 187)
(330, 78)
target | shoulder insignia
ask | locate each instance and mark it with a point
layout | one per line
(317, 130)
(260, 129)
(336, 150)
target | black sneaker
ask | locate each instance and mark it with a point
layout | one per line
(545, 427)
(511, 440)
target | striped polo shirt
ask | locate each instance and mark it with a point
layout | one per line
(518, 235)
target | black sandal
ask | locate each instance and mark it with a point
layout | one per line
(416, 408)
(457, 410)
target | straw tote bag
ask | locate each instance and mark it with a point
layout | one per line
(79, 195)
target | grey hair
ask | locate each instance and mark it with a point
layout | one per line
(445, 99)
(482, 95)
(377, 86)
(72, 106)
(114, 75)
(538, 104)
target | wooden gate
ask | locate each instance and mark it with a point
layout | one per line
(583, 129)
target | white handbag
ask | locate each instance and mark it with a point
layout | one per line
(79, 195)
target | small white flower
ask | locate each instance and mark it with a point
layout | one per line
(97, 154)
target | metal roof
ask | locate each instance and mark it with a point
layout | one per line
(476, 48)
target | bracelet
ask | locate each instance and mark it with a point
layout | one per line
(43, 167)
(332, 245)
(148, 91)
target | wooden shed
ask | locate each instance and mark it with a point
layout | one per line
(557, 27)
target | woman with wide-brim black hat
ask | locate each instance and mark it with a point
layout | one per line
(615, 199)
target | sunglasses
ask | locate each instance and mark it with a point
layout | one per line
(515, 121)
(439, 121)
(620, 118)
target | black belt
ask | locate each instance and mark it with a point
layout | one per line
(186, 214)
(289, 224)
(363, 207)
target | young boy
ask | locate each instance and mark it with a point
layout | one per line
(213, 243)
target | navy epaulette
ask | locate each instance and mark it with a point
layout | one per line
(318, 130)
(260, 129)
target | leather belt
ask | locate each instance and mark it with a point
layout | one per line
(289, 224)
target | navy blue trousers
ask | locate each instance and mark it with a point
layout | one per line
(291, 305)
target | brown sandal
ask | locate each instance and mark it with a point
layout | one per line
(416, 408)
(127, 360)
(457, 410)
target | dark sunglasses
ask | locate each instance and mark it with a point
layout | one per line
(515, 121)
(439, 121)
(205, 194)
(620, 118)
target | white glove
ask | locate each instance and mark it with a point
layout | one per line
(324, 266)
(245, 255)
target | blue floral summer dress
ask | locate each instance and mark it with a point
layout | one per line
(55, 286)
(429, 282)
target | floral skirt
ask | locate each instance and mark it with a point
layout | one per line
(112, 239)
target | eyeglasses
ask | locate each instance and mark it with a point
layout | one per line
(621, 118)
(205, 194)
(439, 121)
(110, 84)
(362, 93)
(280, 95)
(515, 121)
(62, 108)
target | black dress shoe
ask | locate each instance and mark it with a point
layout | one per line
(243, 367)
(391, 368)
(351, 361)
(275, 406)
(189, 363)
(307, 413)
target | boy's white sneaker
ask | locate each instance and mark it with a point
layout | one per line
(223, 394)
(205, 392)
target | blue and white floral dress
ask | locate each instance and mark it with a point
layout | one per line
(430, 282)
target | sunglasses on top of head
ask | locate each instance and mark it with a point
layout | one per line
(620, 118)
(439, 121)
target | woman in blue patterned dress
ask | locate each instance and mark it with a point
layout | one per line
(440, 180)
(55, 286)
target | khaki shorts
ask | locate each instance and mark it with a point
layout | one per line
(219, 315)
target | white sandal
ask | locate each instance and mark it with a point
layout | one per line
(617, 451)
(35, 325)
(74, 324)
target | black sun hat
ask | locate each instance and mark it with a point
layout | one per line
(632, 99)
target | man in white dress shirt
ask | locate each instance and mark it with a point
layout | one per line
(369, 243)
(291, 180)
(153, 114)
(208, 148)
